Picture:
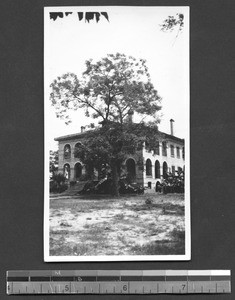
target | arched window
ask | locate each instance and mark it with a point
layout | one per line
(77, 170)
(76, 147)
(67, 171)
(131, 169)
(165, 169)
(157, 169)
(67, 151)
(148, 167)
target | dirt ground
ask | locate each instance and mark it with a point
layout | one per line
(149, 224)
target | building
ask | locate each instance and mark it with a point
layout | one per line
(146, 167)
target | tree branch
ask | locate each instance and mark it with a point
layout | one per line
(91, 106)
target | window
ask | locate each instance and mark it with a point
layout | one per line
(148, 167)
(67, 151)
(173, 170)
(67, 171)
(77, 147)
(183, 152)
(157, 169)
(156, 150)
(77, 170)
(165, 169)
(178, 151)
(172, 151)
(164, 149)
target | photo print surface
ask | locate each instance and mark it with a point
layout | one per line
(116, 94)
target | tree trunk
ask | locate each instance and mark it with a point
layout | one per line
(115, 178)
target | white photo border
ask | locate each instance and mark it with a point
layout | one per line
(109, 258)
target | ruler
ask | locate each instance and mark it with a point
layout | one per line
(118, 282)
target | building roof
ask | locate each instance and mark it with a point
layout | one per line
(83, 134)
(70, 136)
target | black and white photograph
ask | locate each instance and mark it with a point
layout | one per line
(116, 111)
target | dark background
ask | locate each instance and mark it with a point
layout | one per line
(22, 142)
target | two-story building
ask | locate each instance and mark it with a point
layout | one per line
(146, 167)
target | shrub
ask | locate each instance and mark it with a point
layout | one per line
(173, 183)
(58, 183)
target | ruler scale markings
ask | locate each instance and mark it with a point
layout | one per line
(147, 281)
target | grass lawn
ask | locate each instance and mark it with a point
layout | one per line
(129, 225)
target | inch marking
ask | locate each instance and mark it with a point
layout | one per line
(115, 288)
(151, 282)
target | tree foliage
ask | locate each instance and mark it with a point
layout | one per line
(173, 22)
(113, 143)
(110, 90)
(58, 183)
(174, 183)
(54, 160)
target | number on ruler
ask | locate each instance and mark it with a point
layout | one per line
(66, 288)
(124, 287)
(183, 286)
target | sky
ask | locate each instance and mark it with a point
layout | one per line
(132, 31)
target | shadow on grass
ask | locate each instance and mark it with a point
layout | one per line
(167, 208)
(176, 246)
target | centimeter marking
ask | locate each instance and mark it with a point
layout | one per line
(118, 282)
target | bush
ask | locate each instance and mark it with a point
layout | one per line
(58, 183)
(173, 183)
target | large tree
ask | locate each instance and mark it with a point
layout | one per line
(110, 90)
